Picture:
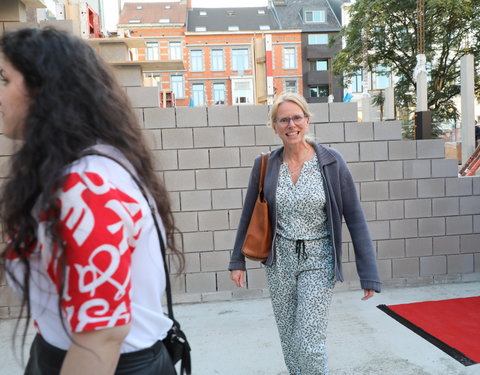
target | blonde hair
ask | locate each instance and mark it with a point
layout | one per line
(287, 97)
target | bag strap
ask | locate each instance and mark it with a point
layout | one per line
(263, 171)
(154, 216)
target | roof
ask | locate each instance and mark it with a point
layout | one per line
(227, 19)
(153, 13)
(292, 15)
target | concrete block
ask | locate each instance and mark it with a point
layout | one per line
(319, 112)
(433, 265)
(379, 230)
(187, 298)
(477, 263)
(174, 200)
(444, 168)
(177, 138)
(342, 112)
(476, 223)
(390, 210)
(214, 261)
(178, 285)
(431, 227)
(388, 170)
(407, 267)
(128, 76)
(253, 114)
(417, 169)
(256, 279)
(211, 179)
(387, 130)
(224, 283)
(445, 206)
(201, 282)
(469, 243)
(358, 131)
(349, 151)
(446, 245)
(362, 171)
(213, 220)
(266, 136)
(224, 239)
(192, 262)
(403, 189)
(193, 159)
(208, 137)
(469, 205)
(329, 133)
(159, 117)
(248, 155)
(217, 296)
(6, 144)
(415, 247)
(475, 183)
(400, 150)
(222, 115)
(143, 97)
(234, 218)
(461, 263)
(195, 200)
(191, 117)
(186, 221)
(240, 136)
(391, 249)
(430, 148)
(403, 228)
(384, 269)
(165, 160)
(369, 210)
(238, 177)
(197, 242)
(373, 151)
(432, 187)
(459, 224)
(374, 191)
(138, 112)
(225, 199)
(458, 186)
(179, 180)
(418, 208)
(153, 138)
(224, 157)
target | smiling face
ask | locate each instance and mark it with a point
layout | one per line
(14, 100)
(291, 124)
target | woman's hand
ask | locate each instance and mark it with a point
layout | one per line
(238, 277)
(367, 294)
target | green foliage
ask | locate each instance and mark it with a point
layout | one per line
(383, 32)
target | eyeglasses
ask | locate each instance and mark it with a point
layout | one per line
(297, 120)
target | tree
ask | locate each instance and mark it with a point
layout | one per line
(383, 32)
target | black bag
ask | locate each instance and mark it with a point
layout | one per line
(176, 341)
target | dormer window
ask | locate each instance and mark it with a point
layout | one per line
(164, 20)
(233, 28)
(314, 16)
(264, 27)
(230, 13)
(139, 7)
(203, 13)
(200, 28)
(135, 21)
(168, 6)
(261, 11)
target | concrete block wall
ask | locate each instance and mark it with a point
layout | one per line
(424, 219)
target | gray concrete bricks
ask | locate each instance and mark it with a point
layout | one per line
(191, 116)
(358, 131)
(345, 112)
(253, 114)
(142, 97)
(329, 133)
(222, 115)
(320, 112)
(387, 130)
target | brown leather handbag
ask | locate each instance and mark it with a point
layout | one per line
(258, 240)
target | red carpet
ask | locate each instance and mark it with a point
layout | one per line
(453, 325)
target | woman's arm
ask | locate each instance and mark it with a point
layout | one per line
(94, 352)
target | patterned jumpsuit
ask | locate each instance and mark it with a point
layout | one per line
(301, 278)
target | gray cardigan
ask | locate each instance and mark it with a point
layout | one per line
(342, 201)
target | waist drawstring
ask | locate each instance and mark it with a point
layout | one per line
(300, 249)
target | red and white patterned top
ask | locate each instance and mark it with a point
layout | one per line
(114, 269)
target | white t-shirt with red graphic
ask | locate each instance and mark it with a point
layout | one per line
(114, 273)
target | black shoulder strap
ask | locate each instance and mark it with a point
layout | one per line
(157, 226)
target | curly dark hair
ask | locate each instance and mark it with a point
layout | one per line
(76, 102)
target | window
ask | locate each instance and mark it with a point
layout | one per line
(203, 13)
(357, 81)
(219, 93)
(260, 11)
(217, 60)
(175, 50)
(139, 7)
(289, 58)
(317, 38)
(319, 91)
(240, 59)
(291, 85)
(196, 61)
(198, 95)
(264, 27)
(382, 77)
(200, 28)
(176, 86)
(233, 28)
(319, 65)
(242, 91)
(135, 21)
(164, 20)
(152, 50)
(168, 6)
(314, 16)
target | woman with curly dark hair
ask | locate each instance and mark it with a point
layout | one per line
(82, 249)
